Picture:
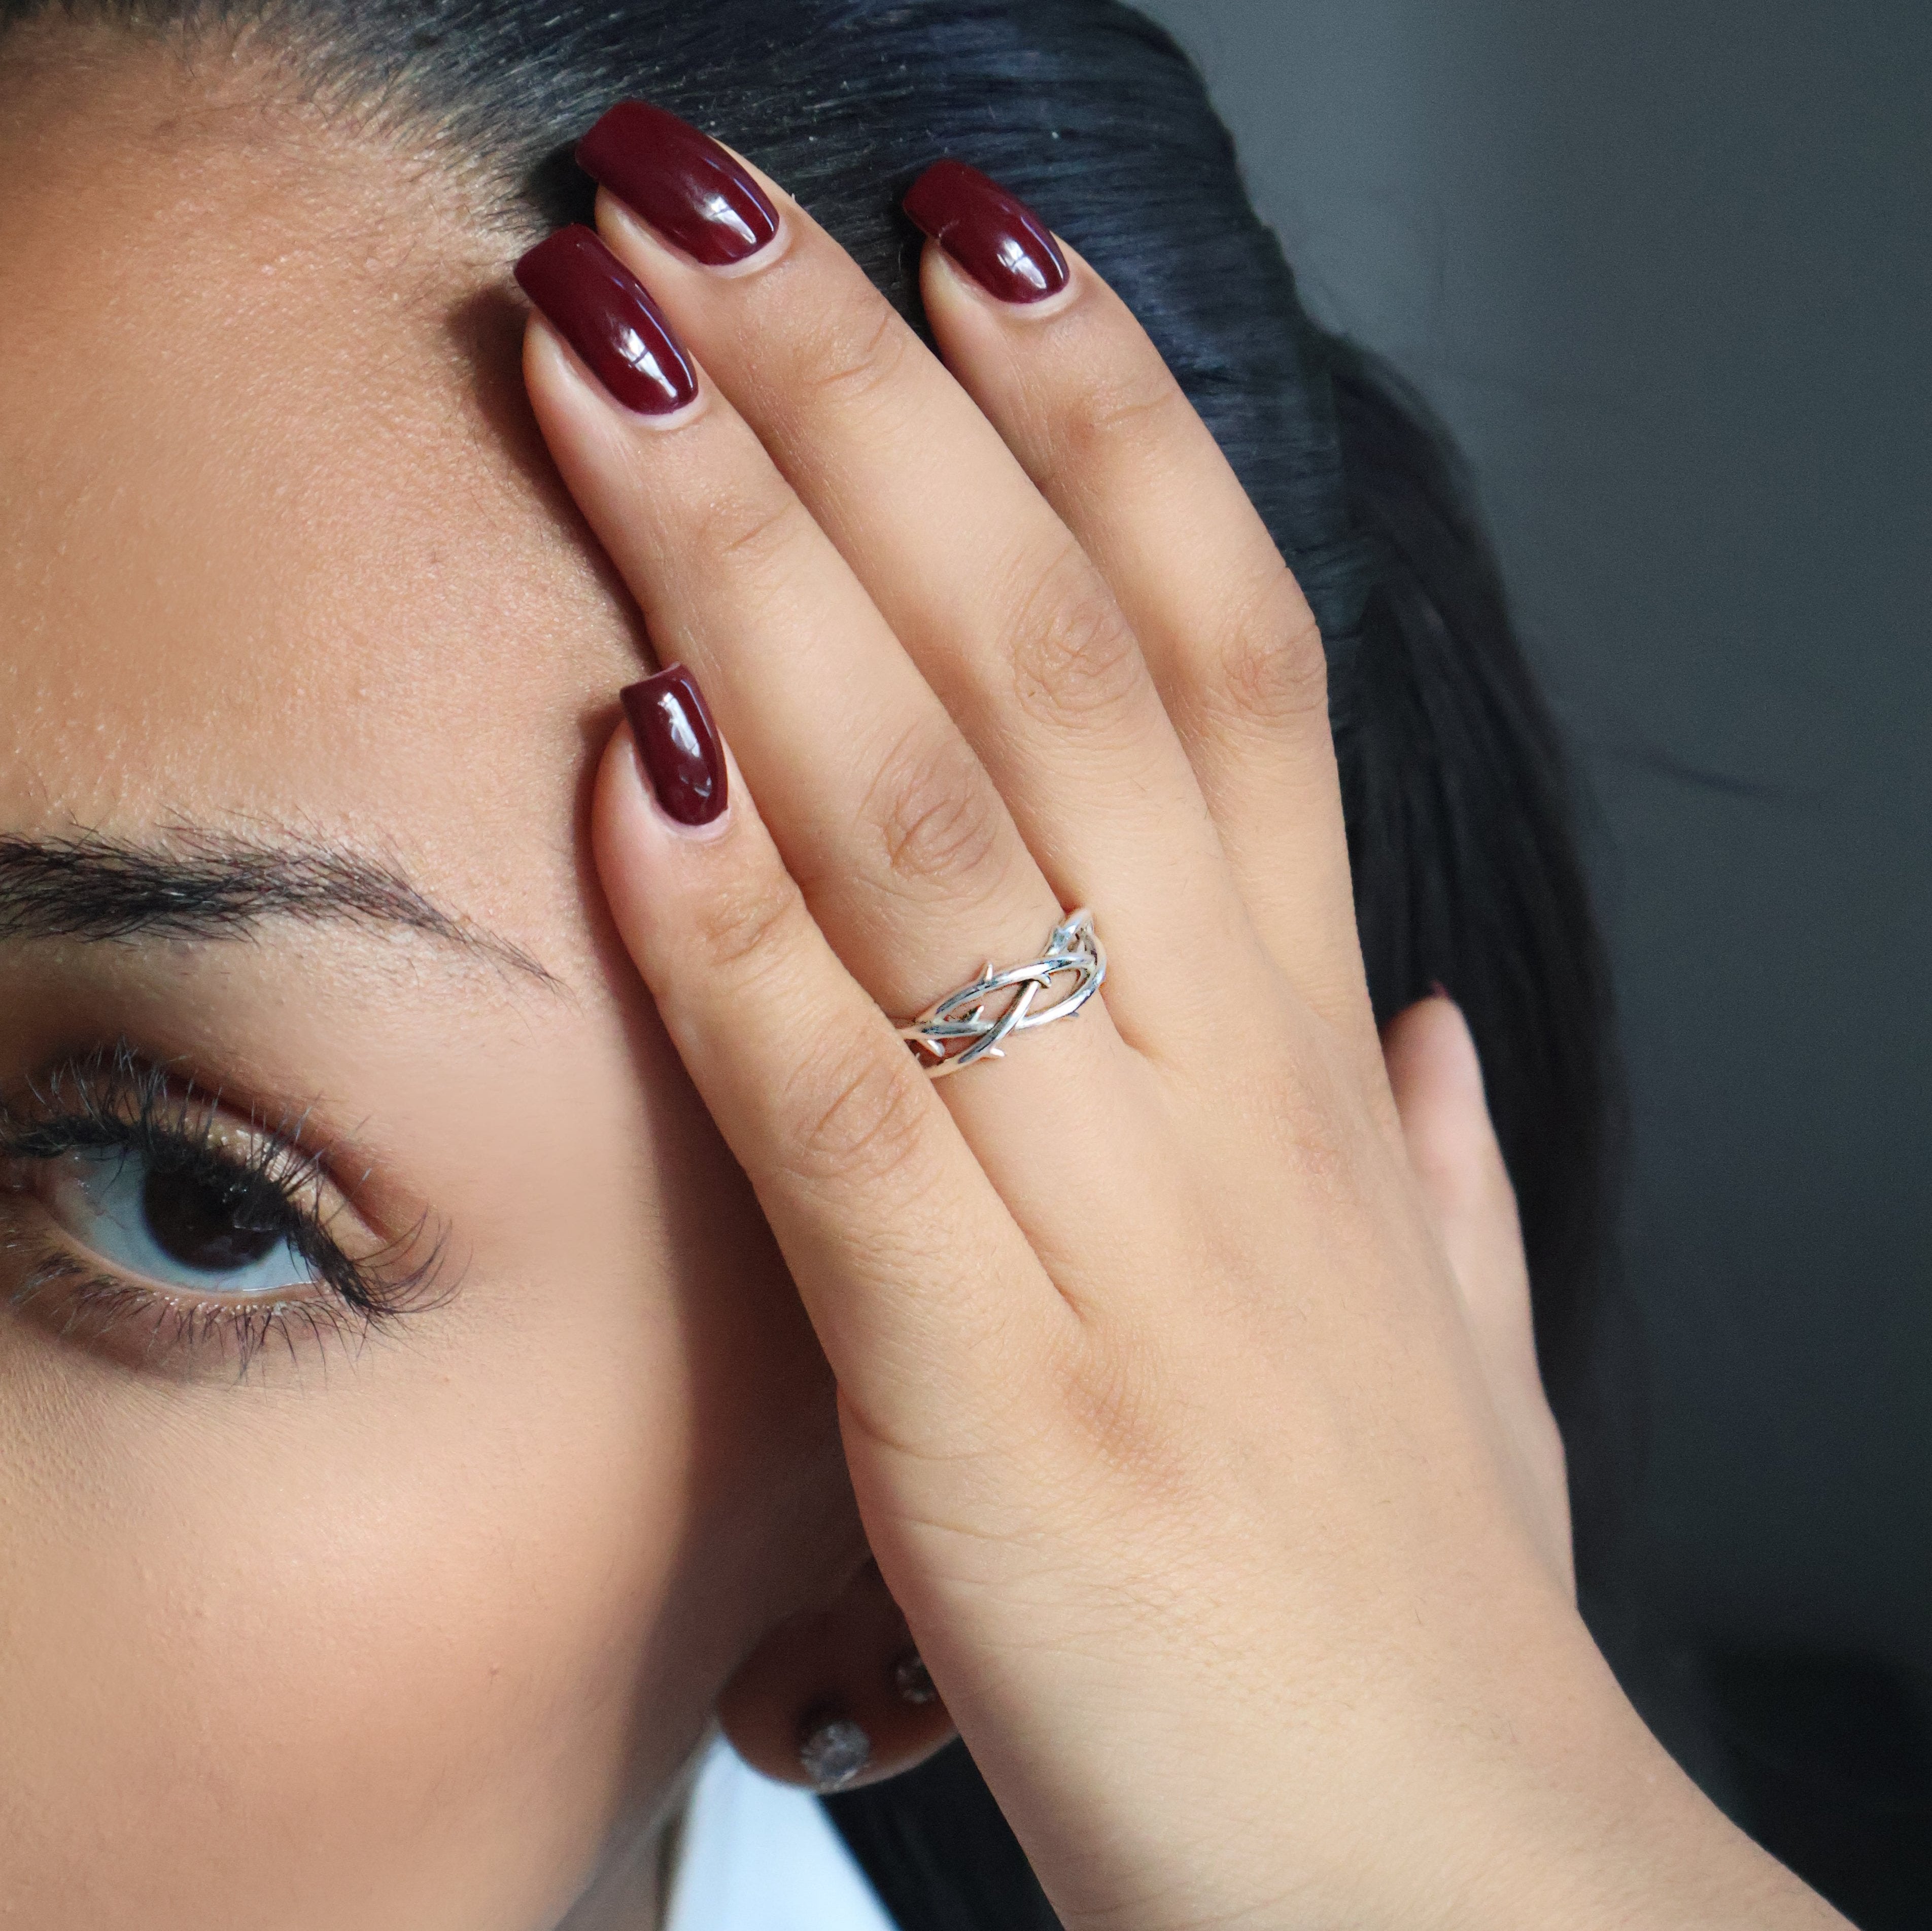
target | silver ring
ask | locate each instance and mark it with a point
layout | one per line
(1074, 947)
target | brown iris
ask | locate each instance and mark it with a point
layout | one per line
(203, 1224)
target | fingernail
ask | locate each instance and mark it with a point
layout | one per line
(681, 181)
(832, 1751)
(999, 240)
(677, 744)
(607, 315)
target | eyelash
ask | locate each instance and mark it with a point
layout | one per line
(116, 1101)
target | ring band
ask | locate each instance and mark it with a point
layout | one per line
(1073, 947)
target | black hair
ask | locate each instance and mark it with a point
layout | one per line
(1460, 809)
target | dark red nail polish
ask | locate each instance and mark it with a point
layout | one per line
(997, 238)
(679, 180)
(678, 744)
(607, 315)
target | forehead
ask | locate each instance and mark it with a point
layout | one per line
(279, 542)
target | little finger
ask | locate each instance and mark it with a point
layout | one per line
(1438, 1084)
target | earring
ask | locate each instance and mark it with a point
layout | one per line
(832, 1751)
(912, 1681)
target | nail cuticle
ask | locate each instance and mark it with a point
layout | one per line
(709, 832)
(1016, 314)
(628, 224)
(658, 421)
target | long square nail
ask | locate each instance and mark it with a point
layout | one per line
(607, 315)
(694, 193)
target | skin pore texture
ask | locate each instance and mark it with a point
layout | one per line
(358, 1638)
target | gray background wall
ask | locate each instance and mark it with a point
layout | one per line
(1666, 268)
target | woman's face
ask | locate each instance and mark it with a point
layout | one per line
(304, 665)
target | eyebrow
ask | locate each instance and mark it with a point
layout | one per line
(200, 884)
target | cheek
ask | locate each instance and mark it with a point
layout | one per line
(400, 1648)
(398, 1638)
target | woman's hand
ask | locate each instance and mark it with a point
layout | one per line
(1184, 1367)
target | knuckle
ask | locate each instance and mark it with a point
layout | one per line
(855, 1106)
(1133, 404)
(939, 822)
(1304, 1114)
(1114, 1392)
(748, 525)
(854, 353)
(1120, 1399)
(1270, 671)
(746, 925)
(1075, 656)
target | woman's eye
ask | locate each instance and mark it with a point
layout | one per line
(175, 1226)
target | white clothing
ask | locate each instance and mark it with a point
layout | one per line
(759, 1856)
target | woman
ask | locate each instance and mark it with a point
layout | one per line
(442, 1374)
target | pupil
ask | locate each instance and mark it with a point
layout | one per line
(201, 1226)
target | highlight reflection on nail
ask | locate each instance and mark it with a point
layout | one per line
(994, 236)
(681, 181)
(607, 315)
(678, 746)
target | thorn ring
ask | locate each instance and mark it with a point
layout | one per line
(955, 1031)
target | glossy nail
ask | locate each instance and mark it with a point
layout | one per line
(677, 744)
(994, 236)
(681, 182)
(607, 315)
